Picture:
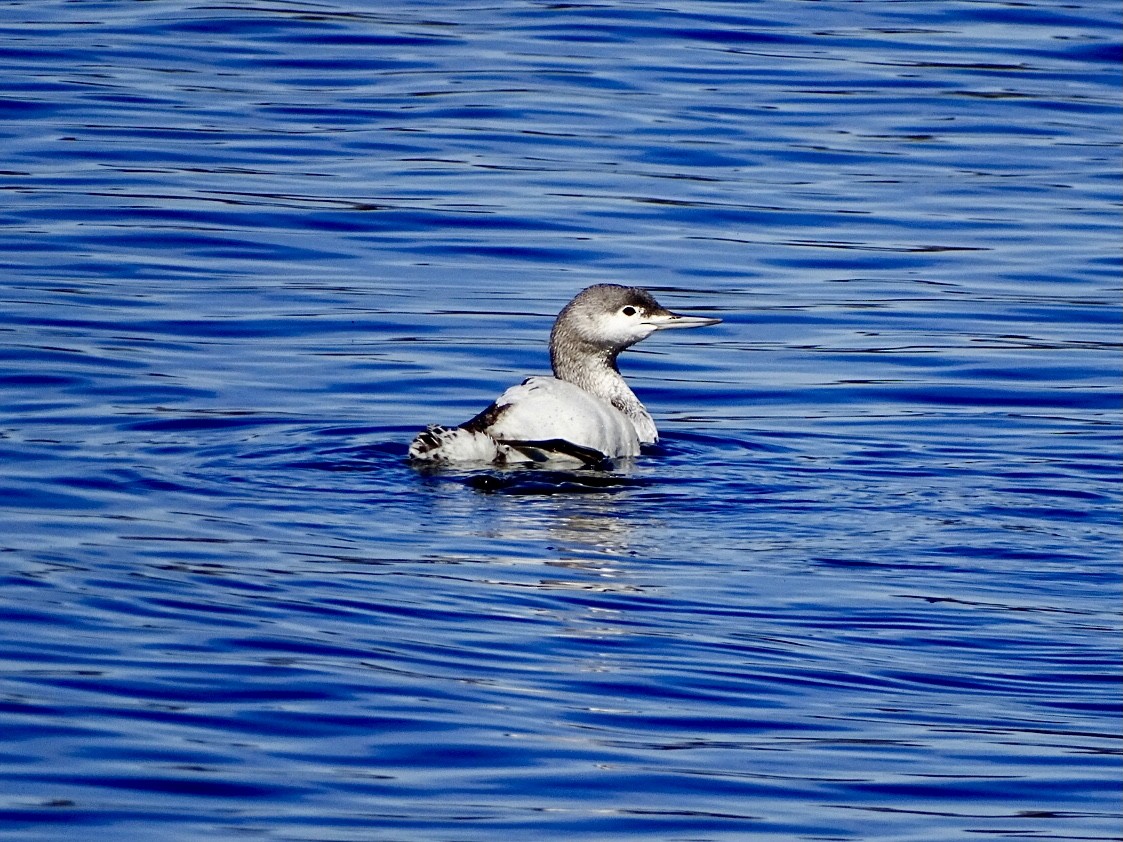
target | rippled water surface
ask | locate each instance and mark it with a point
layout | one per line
(867, 585)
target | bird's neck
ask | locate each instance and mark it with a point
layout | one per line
(595, 371)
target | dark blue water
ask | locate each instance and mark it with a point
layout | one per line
(866, 588)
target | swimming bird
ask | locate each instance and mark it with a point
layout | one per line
(585, 411)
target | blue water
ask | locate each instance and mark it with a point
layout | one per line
(866, 588)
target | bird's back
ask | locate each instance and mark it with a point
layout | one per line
(545, 408)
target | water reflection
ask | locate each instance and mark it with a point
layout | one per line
(885, 545)
(559, 510)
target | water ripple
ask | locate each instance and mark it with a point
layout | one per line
(867, 584)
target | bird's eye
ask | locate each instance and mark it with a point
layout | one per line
(629, 311)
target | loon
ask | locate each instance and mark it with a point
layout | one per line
(585, 411)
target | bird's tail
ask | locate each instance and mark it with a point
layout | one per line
(455, 444)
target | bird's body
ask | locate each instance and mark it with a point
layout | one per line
(586, 411)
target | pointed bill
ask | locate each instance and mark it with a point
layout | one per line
(667, 320)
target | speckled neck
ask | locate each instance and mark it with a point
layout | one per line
(593, 369)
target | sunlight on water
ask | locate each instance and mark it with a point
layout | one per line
(865, 587)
